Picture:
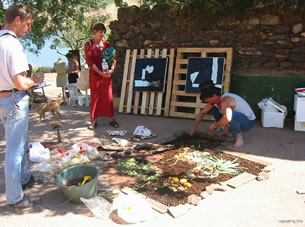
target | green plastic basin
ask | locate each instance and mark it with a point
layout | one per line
(74, 193)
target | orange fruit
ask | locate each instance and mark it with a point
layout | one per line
(187, 185)
(175, 179)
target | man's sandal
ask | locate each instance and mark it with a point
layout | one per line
(92, 125)
(114, 124)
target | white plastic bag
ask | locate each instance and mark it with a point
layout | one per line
(91, 151)
(38, 153)
(99, 206)
(121, 142)
(116, 132)
(43, 167)
(132, 208)
(142, 131)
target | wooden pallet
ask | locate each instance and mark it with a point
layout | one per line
(188, 105)
(147, 103)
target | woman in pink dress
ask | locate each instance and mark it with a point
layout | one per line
(100, 81)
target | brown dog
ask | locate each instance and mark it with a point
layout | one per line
(48, 106)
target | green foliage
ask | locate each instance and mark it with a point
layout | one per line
(68, 20)
(120, 3)
(43, 69)
(146, 171)
(210, 8)
(238, 7)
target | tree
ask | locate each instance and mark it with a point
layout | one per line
(67, 21)
(229, 7)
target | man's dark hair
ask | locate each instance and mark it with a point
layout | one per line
(208, 89)
(18, 10)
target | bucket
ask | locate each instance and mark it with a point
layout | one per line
(74, 193)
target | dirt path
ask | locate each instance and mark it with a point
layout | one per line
(52, 91)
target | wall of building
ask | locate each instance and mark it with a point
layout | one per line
(268, 44)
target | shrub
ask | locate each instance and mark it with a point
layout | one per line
(43, 69)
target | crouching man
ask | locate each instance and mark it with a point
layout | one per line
(230, 111)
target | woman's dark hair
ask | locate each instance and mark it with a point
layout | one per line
(69, 55)
(98, 27)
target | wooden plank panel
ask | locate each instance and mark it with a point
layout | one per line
(145, 93)
(130, 92)
(182, 71)
(229, 60)
(178, 83)
(190, 50)
(169, 82)
(137, 93)
(185, 104)
(177, 67)
(153, 94)
(181, 61)
(124, 83)
(160, 94)
(182, 93)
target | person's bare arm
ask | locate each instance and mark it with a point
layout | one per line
(199, 117)
(22, 82)
(112, 67)
(76, 66)
(100, 72)
(227, 106)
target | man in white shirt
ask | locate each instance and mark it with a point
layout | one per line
(14, 102)
(230, 111)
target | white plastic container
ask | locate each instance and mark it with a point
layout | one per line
(299, 108)
(273, 114)
(272, 119)
(299, 126)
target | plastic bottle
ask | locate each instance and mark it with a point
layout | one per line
(105, 66)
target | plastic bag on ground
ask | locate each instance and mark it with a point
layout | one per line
(92, 152)
(121, 142)
(142, 131)
(42, 167)
(132, 208)
(99, 206)
(39, 153)
(116, 132)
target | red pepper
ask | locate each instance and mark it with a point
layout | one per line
(62, 152)
(81, 151)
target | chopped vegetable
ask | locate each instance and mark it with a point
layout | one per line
(182, 181)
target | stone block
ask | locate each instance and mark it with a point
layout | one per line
(193, 200)
(263, 176)
(204, 194)
(179, 210)
(210, 189)
(240, 180)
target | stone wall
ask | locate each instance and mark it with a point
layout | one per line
(265, 42)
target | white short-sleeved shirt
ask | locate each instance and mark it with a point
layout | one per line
(241, 105)
(13, 59)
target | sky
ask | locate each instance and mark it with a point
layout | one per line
(47, 56)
